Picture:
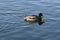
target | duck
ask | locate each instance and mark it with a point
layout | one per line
(34, 18)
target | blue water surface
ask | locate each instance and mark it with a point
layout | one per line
(13, 26)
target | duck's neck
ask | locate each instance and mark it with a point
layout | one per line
(39, 18)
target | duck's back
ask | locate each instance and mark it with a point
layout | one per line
(31, 18)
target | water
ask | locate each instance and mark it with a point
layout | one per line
(13, 26)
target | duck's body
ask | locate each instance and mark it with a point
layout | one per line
(33, 18)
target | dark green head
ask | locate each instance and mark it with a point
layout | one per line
(40, 14)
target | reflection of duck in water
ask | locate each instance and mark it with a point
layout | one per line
(34, 18)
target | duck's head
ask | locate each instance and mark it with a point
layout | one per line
(40, 14)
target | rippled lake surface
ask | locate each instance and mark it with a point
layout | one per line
(13, 26)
